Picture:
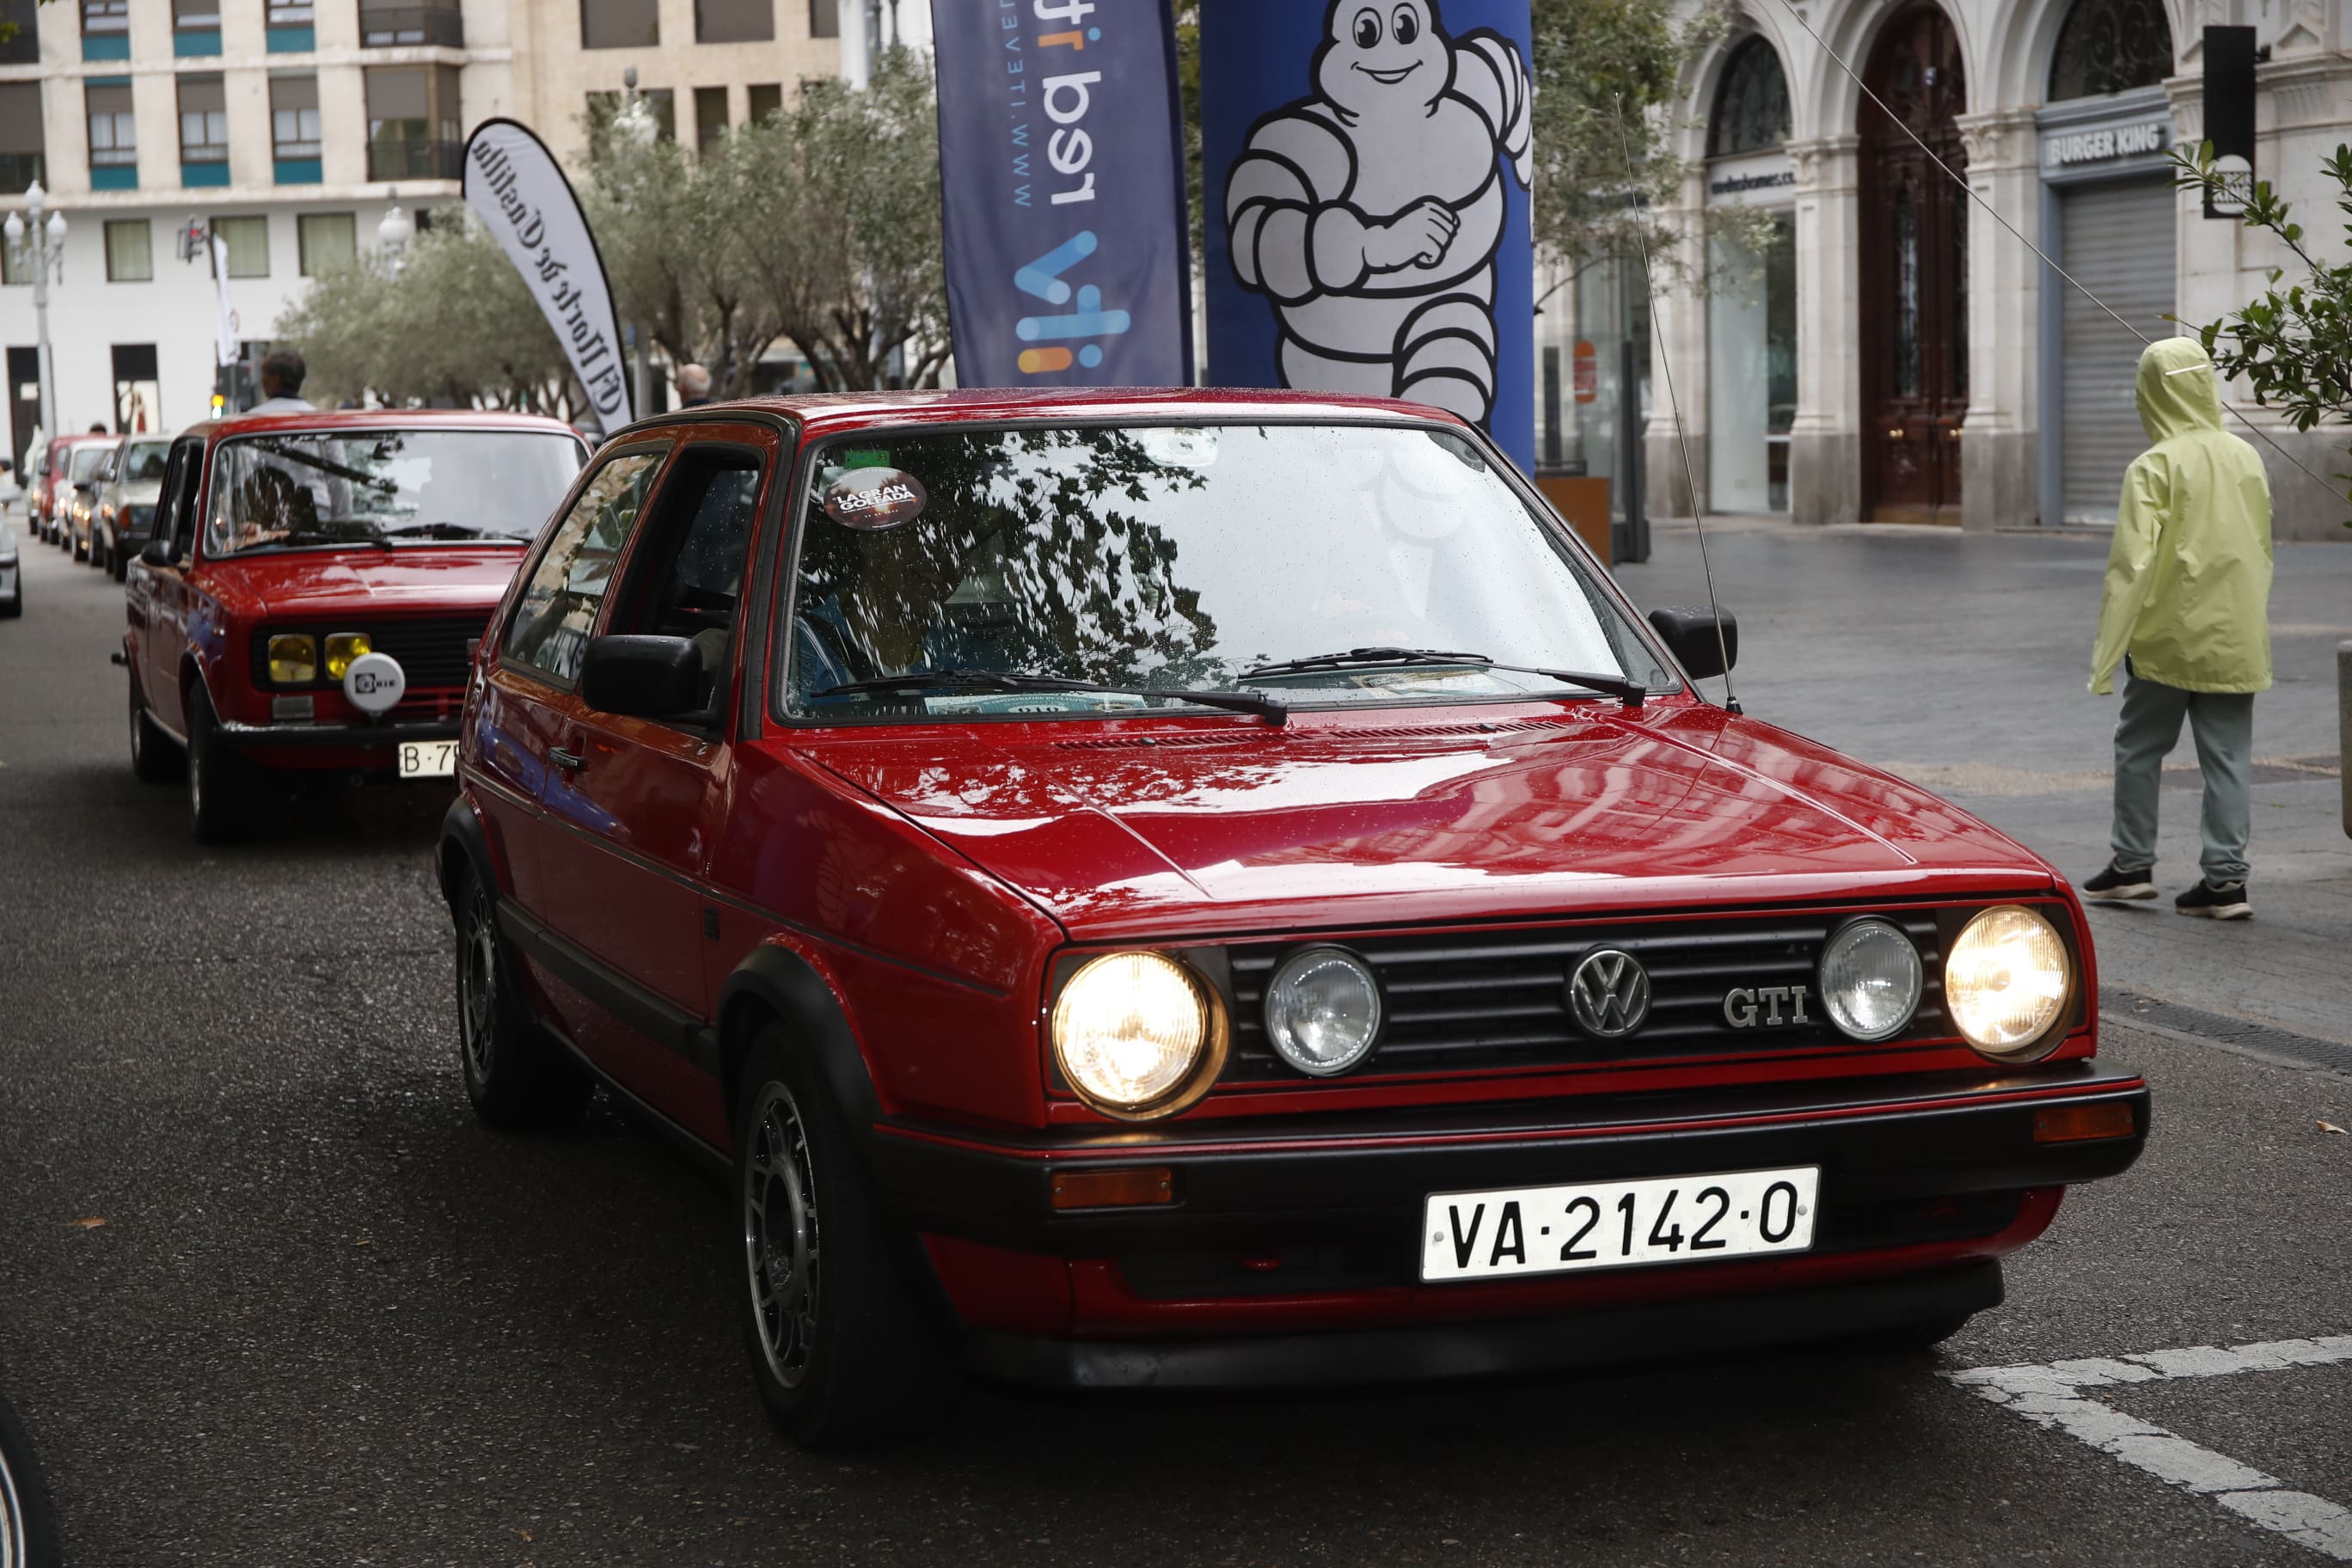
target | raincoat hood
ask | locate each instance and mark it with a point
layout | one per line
(2188, 575)
(2177, 391)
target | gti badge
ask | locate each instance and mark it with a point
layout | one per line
(1610, 993)
(1740, 1006)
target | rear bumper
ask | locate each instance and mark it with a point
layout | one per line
(1426, 1353)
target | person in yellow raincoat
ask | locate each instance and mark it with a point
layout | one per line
(2186, 614)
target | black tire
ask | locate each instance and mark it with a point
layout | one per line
(517, 1078)
(117, 565)
(28, 1522)
(98, 555)
(219, 784)
(80, 550)
(840, 1352)
(155, 757)
(1914, 1338)
(15, 607)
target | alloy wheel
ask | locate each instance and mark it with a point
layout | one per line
(477, 981)
(780, 1235)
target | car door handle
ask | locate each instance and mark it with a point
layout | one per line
(570, 761)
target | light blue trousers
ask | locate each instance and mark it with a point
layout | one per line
(2148, 727)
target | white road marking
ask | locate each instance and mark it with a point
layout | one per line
(2049, 1395)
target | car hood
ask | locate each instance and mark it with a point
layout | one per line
(413, 579)
(1225, 827)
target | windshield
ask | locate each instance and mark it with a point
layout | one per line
(385, 487)
(1183, 557)
(142, 462)
(86, 460)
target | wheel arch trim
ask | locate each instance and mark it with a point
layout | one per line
(773, 981)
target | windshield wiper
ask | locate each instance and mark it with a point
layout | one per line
(450, 530)
(1630, 692)
(968, 679)
(310, 537)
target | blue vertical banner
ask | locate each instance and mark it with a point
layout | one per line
(1062, 174)
(1367, 168)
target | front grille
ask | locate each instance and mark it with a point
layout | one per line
(1497, 999)
(431, 649)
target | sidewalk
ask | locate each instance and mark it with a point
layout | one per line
(1961, 661)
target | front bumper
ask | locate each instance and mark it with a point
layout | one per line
(332, 736)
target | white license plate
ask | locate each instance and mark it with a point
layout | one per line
(1616, 1225)
(428, 759)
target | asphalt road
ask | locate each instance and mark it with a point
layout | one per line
(329, 1319)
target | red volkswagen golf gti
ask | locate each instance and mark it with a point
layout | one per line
(1197, 890)
(313, 590)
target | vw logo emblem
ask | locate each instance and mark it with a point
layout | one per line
(1610, 993)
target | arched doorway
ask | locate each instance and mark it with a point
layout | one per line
(1914, 273)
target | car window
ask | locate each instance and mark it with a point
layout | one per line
(566, 588)
(377, 487)
(140, 463)
(688, 577)
(86, 460)
(177, 520)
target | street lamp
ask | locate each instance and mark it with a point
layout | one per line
(394, 233)
(41, 246)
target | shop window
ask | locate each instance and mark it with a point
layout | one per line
(248, 239)
(105, 30)
(138, 397)
(129, 251)
(767, 99)
(204, 130)
(734, 21)
(415, 126)
(1751, 105)
(2110, 46)
(825, 18)
(328, 241)
(619, 24)
(22, 159)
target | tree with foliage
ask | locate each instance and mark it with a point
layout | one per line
(2293, 346)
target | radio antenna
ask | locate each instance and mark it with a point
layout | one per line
(1664, 361)
(1994, 213)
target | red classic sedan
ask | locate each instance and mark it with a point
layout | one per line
(1197, 890)
(313, 590)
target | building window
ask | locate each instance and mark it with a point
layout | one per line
(129, 251)
(709, 118)
(289, 29)
(385, 23)
(105, 30)
(23, 47)
(138, 399)
(248, 244)
(825, 18)
(415, 128)
(196, 26)
(1751, 106)
(204, 123)
(2110, 46)
(113, 134)
(290, 13)
(21, 144)
(294, 116)
(767, 100)
(619, 24)
(734, 21)
(328, 241)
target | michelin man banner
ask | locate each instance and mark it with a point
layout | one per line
(1062, 168)
(1368, 167)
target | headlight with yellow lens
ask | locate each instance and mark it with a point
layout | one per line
(2007, 981)
(342, 649)
(1138, 1036)
(293, 658)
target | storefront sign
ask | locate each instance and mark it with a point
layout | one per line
(2115, 142)
(1062, 169)
(1757, 180)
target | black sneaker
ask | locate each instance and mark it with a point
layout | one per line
(2114, 886)
(2215, 901)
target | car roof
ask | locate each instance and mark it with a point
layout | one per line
(827, 414)
(326, 420)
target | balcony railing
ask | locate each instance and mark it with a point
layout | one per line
(416, 158)
(383, 27)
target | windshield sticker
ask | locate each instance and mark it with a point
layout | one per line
(874, 499)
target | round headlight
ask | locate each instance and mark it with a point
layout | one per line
(1136, 1035)
(2006, 981)
(1323, 1011)
(1870, 978)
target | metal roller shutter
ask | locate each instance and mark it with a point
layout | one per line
(2117, 240)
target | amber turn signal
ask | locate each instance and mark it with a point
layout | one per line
(1114, 1189)
(2077, 1123)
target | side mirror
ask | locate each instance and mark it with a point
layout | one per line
(1690, 636)
(85, 486)
(642, 677)
(158, 553)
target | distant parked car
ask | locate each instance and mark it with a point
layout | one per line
(77, 508)
(50, 485)
(314, 589)
(12, 575)
(128, 486)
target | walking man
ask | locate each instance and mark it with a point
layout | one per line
(2186, 615)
